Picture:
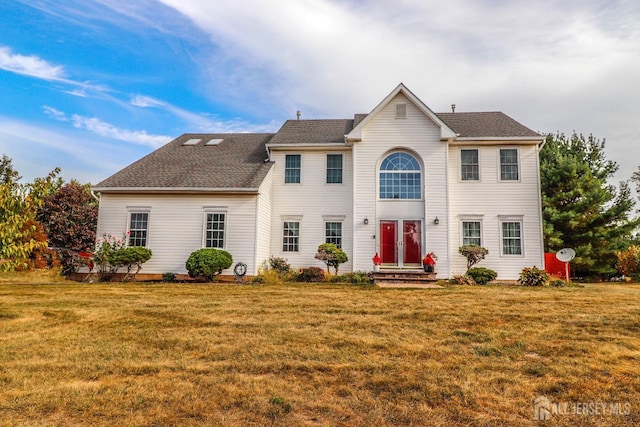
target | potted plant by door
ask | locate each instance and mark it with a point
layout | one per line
(376, 262)
(429, 262)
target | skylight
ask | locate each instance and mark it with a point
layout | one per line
(192, 141)
(213, 142)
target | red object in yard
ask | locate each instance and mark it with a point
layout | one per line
(555, 267)
(376, 259)
(428, 260)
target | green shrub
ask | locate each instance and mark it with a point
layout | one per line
(111, 254)
(462, 279)
(482, 275)
(208, 263)
(533, 276)
(331, 255)
(356, 278)
(311, 274)
(169, 277)
(473, 253)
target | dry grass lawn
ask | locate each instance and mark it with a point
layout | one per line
(317, 355)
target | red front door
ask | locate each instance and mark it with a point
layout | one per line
(388, 242)
(411, 243)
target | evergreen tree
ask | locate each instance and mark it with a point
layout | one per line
(580, 209)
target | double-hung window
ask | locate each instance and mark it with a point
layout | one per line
(509, 164)
(292, 166)
(215, 229)
(138, 228)
(291, 236)
(469, 165)
(334, 168)
(511, 237)
(333, 233)
(471, 233)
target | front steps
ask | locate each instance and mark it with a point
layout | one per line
(404, 278)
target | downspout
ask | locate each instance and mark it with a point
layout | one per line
(542, 249)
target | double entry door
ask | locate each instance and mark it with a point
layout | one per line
(401, 243)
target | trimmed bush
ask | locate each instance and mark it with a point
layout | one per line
(482, 275)
(169, 277)
(208, 263)
(311, 274)
(331, 255)
(473, 253)
(533, 276)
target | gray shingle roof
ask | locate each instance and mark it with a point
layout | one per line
(313, 131)
(485, 125)
(236, 163)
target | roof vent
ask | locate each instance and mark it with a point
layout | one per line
(298, 114)
(401, 111)
(192, 141)
(214, 141)
(453, 108)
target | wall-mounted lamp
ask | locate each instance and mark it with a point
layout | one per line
(366, 221)
(436, 221)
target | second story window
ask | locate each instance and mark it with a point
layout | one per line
(292, 164)
(469, 165)
(509, 164)
(400, 177)
(334, 168)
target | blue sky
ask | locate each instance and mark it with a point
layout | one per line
(93, 85)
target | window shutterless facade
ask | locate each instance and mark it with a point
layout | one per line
(291, 236)
(509, 169)
(469, 165)
(333, 233)
(511, 237)
(215, 229)
(334, 168)
(292, 166)
(471, 233)
(400, 177)
(138, 228)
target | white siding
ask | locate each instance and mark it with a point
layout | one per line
(312, 200)
(263, 225)
(420, 136)
(491, 198)
(176, 224)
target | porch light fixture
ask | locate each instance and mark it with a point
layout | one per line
(436, 221)
(366, 221)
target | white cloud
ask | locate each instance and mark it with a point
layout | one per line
(107, 130)
(31, 65)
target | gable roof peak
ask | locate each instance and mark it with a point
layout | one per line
(445, 131)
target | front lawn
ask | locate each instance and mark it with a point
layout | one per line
(202, 354)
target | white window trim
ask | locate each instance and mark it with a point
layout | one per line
(499, 167)
(284, 169)
(479, 165)
(139, 209)
(511, 218)
(214, 210)
(471, 218)
(422, 171)
(291, 218)
(326, 169)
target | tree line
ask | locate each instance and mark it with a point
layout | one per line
(48, 221)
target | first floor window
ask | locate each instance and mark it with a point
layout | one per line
(333, 233)
(471, 233)
(138, 228)
(214, 234)
(291, 236)
(512, 238)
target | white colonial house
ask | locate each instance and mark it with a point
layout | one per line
(400, 181)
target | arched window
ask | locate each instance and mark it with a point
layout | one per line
(400, 177)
